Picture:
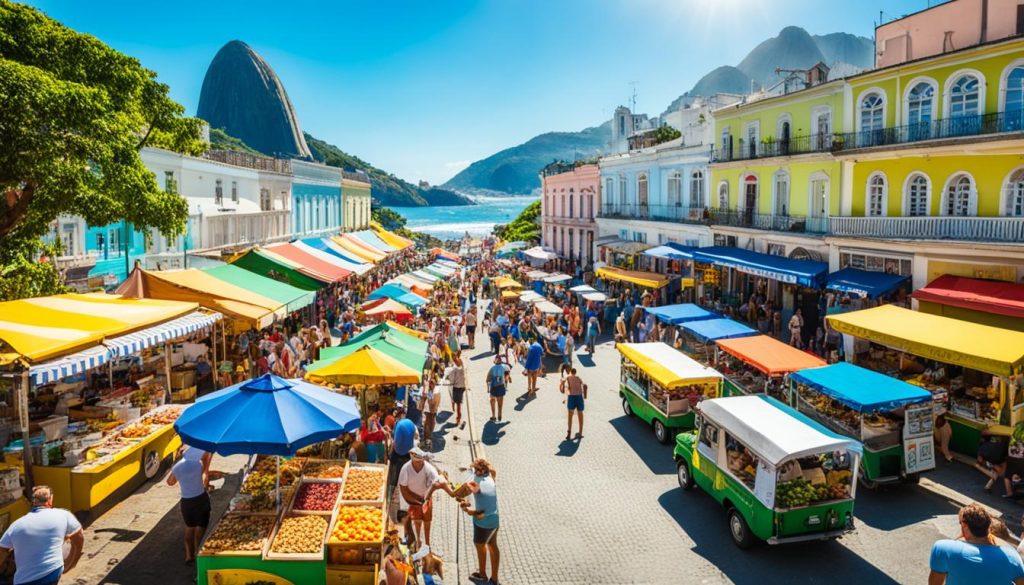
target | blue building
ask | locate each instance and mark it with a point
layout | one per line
(316, 199)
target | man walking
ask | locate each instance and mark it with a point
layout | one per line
(577, 391)
(457, 378)
(498, 379)
(403, 439)
(38, 538)
(975, 557)
(534, 362)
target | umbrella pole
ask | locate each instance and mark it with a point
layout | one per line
(277, 482)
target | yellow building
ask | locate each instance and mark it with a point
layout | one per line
(355, 201)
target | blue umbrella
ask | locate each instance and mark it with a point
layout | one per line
(267, 416)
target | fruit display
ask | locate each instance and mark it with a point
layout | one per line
(300, 534)
(261, 478)
(137, 430)
(324, 470)
(358, 524)
(837, 415)
(316, 497)
(240, 533)
(164, 416)
(363, 484)
(800, 492)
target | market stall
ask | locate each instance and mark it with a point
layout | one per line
(891, 418)
(679, 314)
(758, 363)
(662, 386)
(783, 477)
(973, 369)
(386, 310)
(986, 302)
(697, 338)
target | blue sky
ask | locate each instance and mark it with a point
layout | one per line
(421, 88)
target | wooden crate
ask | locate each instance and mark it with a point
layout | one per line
(356, 553)
(352, 574)
(269, 554)
(380, 467)
(238, 553)
(315, 462)
(295, 494)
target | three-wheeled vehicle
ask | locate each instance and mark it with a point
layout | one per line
(662, 386)
(893, 419)
(780, 476)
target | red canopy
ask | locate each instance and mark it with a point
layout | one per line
(987, 296)
(303, 258)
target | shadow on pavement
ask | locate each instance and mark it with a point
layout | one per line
(522, 400)
(915, 504)
(586, 360)
(492, 432)
(826, 562)
(568, 448)
(640, 437)
(481, 355)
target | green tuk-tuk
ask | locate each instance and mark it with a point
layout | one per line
(780, 476)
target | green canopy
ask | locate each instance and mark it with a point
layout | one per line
(292, 297)
(405, 348)
(434, 272)
(261, 264)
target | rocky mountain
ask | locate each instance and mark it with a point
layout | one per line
(514, 170)
(793, 48)
(243, 96)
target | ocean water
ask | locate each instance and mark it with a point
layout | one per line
(453, 222)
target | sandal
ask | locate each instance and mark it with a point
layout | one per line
(477, 576)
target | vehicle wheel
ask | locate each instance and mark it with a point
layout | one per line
(151, 464)
(739, 531)
(912, 479)
(625, 407)
(660, 432)
(683, 475)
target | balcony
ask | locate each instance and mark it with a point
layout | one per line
(945, 129)
(262, 227)
(770, 222)
(766, 149)
(670, 213)
(974, 229)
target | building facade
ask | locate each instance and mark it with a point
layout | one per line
(316, 199)
(570, 200)
(355, 201)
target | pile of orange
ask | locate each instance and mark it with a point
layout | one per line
(358, 524)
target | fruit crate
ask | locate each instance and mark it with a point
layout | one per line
(313, 463)
(203, 551)
(352, 574)
(376, 467)
(184, 395)
(367, 552)
(270, 555)
(330, 512)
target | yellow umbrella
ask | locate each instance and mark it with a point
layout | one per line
(509, 294)
(367, 366)
(506, 282)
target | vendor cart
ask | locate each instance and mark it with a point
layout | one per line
(661, 386)
(759, 363)
(891, 418)
(783, 477)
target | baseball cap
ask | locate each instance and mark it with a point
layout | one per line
(420, 454)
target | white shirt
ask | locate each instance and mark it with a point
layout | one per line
(418, 482)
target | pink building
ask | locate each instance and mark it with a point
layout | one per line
(947, 27)
(571, 200)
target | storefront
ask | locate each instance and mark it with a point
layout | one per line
(760, 364)
(973, 370)
(891, 418)
(615, 280)
(867, 284)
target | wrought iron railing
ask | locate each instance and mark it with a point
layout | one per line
(976, 229)
(945, 128)
(770, 147)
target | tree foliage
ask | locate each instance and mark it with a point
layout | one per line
(219, 139)
(73, 115)
(666, 133)
(525, 227)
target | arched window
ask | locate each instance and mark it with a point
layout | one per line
(641, 191)
(877, 195)
(697, 188)
(916, 203)
(1013, 198)
(723, 195)
(964, 97)
(920, 104)
(1013, 102)
(750, 196)
(622, 190)
(571, 203)
(872, 119)
(609, 190)
(959, 196)
(675, 189)
(781, 193)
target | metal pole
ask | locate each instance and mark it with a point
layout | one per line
(167, 371)
(26, 448)
(213, 344)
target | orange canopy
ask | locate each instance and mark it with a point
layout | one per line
(769, 355)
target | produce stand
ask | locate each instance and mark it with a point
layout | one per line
(891, 418)
(697, 338)
(974, 370)
(784, 477)
(662, 386)
(759, 363)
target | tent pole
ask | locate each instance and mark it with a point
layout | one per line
(26, 447)
(277, 483)
(213, 345)
(223, 340)
(167, 372)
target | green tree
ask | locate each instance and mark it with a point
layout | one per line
(525, 227)
(74, 114)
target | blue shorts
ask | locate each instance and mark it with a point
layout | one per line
(497, 391)
(50, 578)
(575, 402)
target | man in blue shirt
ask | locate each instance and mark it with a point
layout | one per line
(37, 540)
(534, 359)
(403, 439)
(974, 560)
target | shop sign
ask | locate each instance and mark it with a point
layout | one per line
(710, 276)
(781, 277)
(919, 454)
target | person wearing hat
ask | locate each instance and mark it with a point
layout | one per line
(417, 482)
(484, 511)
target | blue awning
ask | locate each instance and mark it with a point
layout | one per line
(715, 329)
(861, 389)
(322, 245)
(671, 251)
(803, 272)
(864, 282)
(676, 314)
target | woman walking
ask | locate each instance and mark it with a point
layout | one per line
(484, 511)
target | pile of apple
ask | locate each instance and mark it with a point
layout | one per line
(316, 497)
(363, 484)
(300, 534)
(324, 470)
(358, 524)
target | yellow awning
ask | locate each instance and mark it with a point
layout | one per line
(667, 366)
(404, 329)
(509, 294)
(366, 366)
(46, 327)
(647, 279)
(394, 240)
(357, 249)
(980, 347)
(202, 281)
(506, 282)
